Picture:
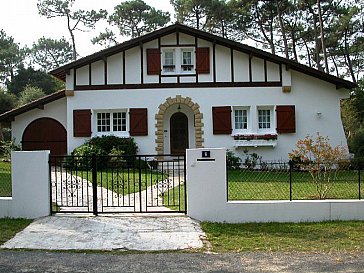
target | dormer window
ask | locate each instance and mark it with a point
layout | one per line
(169, 61)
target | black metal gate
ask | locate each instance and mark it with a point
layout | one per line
(118, 184)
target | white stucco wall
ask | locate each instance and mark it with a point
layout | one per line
(207, 198)
(309, 95)
(56, 110)
(30, 186)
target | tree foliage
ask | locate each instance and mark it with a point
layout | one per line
(7, 101)
(132, 19)
(29, 94)
(81, 20)
(11, 56)
(50, 53)
(36, 78)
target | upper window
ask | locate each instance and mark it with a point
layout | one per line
(111, 121)
(187, 60)
(168, 61)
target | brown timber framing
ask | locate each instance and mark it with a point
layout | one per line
(60, 72)
(141, 64)
(214, 61)
(196, 45)
(105, 71)
(124, 80)
(90, 74)
(265, 71)
(178, 85)
(232, 64)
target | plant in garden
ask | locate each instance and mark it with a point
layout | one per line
(233, 162)
(321, 160)
(6, 147)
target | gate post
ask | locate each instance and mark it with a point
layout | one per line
(94, 184)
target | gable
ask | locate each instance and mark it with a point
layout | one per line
(260, 66)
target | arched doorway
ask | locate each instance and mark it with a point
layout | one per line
(45, 134)
(178, 133)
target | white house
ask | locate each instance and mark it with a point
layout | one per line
(178, 88)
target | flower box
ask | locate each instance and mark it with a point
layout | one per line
(255, 140)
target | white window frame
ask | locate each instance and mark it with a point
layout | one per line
(165, 70)
(192, 65)
(248, 123)
(272, 128)
(123, 133)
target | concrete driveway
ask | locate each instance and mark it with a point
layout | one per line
(143, 233)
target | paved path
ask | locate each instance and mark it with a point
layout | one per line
(57, 262)
(144, 233)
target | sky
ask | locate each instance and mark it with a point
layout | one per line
(20, 19)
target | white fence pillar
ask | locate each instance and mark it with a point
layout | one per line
(30, 186)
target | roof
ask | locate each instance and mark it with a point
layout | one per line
(39, 103)
(61, 72)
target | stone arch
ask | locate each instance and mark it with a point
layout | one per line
(159, 117)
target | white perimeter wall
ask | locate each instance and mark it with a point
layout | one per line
(30, 186)
(207, 198)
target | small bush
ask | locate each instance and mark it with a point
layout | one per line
(233, 162)
(104, 146)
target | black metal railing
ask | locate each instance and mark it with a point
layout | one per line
(288, 181)
(111, 184)
(5, 179)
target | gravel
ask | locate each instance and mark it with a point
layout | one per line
(51, 262)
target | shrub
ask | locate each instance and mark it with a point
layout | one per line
(108, 143)
(233, 162)
(104, 146)
(356, 146)
(320, 160)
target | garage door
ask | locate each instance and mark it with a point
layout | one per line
(45, 134)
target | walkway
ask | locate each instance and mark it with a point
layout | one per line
(143, 233)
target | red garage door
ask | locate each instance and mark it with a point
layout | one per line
(45, 134)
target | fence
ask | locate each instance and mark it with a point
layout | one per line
(287, 181)
(5, 179)
(110, 184)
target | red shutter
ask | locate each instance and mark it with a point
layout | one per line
(153, 61)
(221, 117)
(138, 122)
(82, 123)
(286, 119)
(203, 60)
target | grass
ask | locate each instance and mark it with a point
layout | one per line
(9, 227)
(5, 179)
(286, 237)
(175, 198)
(270, 185)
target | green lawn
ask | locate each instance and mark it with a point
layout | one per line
(124, 181)
(175, 198)
(286, 237)
(9, 227)
(5, 179)
(265, 185)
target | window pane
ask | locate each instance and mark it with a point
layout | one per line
(264, 119)
(119, 122)
(103, 122)
(187, 58)
(241, 119)
(168, 58)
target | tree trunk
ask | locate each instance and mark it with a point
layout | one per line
(74, 52)
(347, 56)
(283, 30)
(323, 46)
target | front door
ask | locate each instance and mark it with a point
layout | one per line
(179, 133)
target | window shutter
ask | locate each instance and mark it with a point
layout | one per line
(82, 123)
(153, 61)
(286, 119)
(203, 60)
(221, 117)
(138, 121)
